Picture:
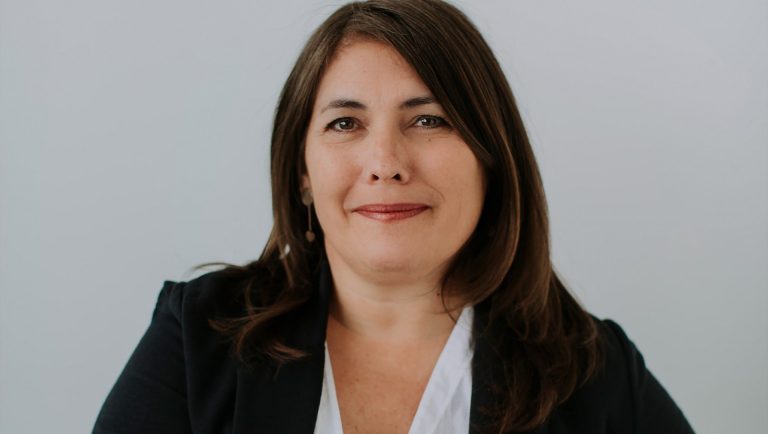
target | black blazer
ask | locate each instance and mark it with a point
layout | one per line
(182, 379)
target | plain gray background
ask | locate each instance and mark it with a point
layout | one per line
(134, 145)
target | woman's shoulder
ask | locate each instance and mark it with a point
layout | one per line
(216, 293)
(179, 363)
(618, 351)
(623, 367)
(624, 392)
(619, 359)
(187, 310)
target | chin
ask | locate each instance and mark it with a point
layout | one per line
(388, 261)
(390, 265)
(397, 262)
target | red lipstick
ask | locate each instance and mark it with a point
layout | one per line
(390, 212)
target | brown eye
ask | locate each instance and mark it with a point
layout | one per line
(342, 124)
(431, 122)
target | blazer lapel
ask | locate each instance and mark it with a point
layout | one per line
(485, 363)
(286, 399)
(487, 372)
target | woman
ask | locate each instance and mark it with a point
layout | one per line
(407, 283)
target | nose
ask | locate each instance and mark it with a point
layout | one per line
(387, 159)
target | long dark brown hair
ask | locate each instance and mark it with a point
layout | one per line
(505, 264)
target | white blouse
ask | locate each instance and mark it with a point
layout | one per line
(444, 406)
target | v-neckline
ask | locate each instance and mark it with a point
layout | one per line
(452, 371)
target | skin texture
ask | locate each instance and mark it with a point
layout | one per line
(377, 137)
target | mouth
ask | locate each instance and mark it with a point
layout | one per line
(391, 212)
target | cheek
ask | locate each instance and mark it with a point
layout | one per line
(322, 167)
(456, 172)
(466, 205)
(331, 176)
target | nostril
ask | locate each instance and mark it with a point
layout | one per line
(395, 176)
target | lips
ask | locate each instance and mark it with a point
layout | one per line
(391, 212)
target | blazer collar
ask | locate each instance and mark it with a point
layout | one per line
(286, 399)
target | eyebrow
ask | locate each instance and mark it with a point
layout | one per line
(350, 103)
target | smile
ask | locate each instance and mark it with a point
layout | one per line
(391, 212)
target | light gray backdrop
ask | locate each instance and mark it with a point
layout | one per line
(134, 145)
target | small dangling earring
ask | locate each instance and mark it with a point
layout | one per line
(306, 199)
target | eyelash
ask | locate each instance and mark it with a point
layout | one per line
(441, 122)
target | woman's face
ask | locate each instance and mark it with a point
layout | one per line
(396, 189)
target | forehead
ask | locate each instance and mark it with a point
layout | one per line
(368, 69)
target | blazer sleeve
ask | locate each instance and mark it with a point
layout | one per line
(653, 409)
(150, 395)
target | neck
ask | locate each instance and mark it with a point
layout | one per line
(390, 310)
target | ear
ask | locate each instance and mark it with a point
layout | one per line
(305, 184)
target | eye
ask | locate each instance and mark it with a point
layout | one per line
(342, 125)
(428, 121)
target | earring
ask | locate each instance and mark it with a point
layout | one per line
(306, 199)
